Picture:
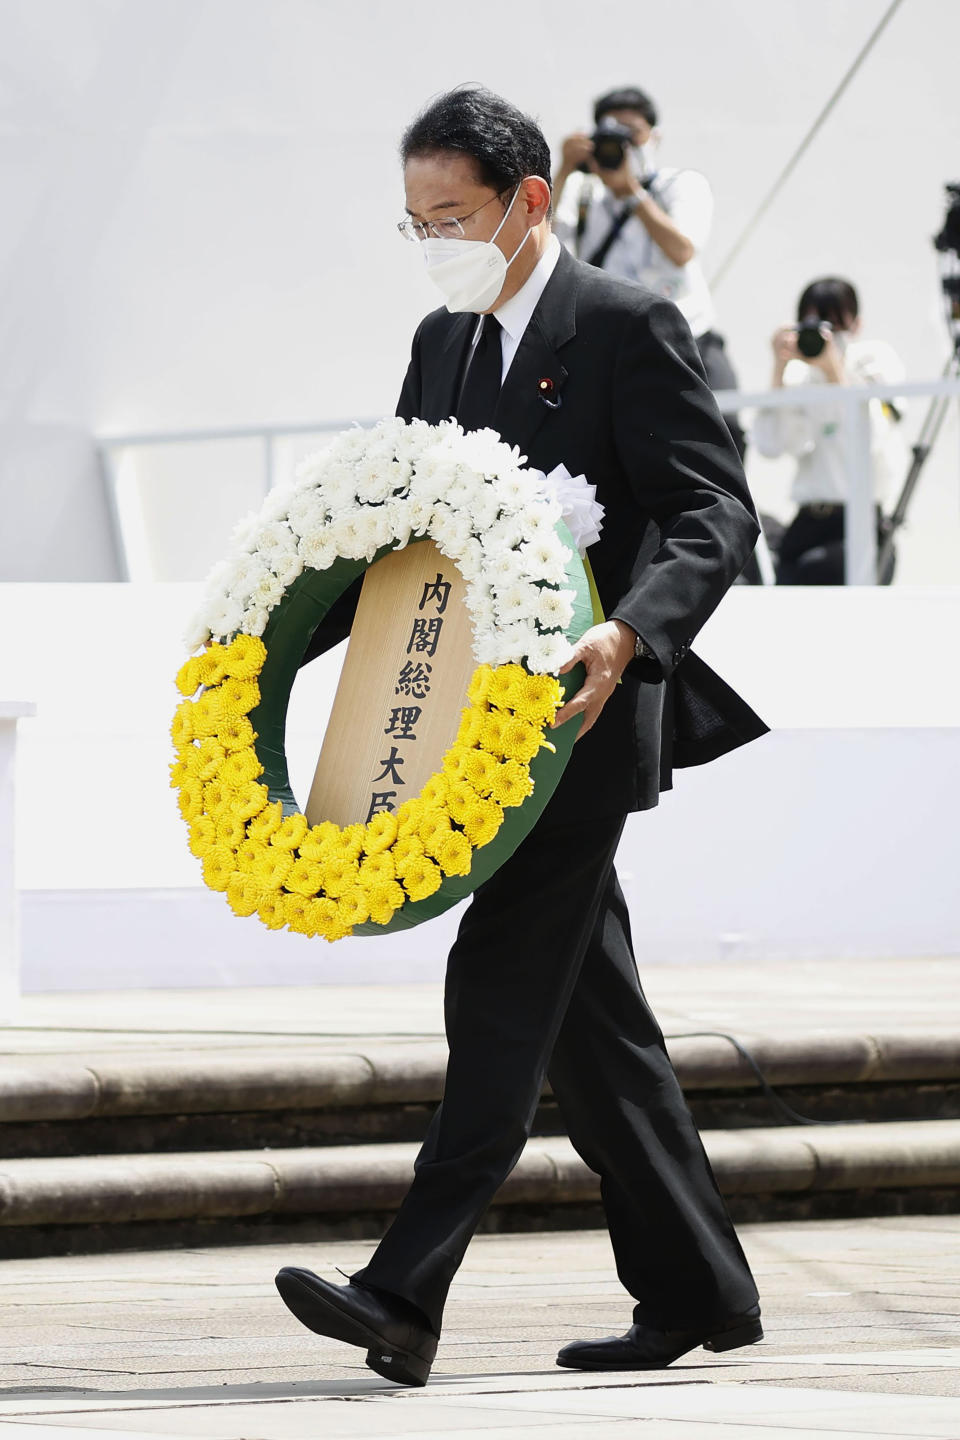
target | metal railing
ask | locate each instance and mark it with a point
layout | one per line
(860, 532)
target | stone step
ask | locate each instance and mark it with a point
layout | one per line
(342, 1181)
(62, 1087)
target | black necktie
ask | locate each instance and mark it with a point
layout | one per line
(481, 385)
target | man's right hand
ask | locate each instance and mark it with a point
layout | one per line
(576, 150)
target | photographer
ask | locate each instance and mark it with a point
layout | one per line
(824, 348)
(618, 210)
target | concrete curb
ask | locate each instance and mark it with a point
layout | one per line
(197, 1083)
(338, 1181)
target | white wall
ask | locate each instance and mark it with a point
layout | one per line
(199, 198)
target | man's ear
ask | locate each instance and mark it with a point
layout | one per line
(536, 198)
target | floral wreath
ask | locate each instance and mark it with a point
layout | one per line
(369, 492)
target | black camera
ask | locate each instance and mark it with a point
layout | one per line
(810, 337)
(610, 141)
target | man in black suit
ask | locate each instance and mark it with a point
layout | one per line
(579, 368)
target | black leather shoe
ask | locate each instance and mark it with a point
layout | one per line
(645, 1349)
(399, 1346)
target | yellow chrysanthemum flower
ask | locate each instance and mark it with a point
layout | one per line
(290, 831)
(471, 728)
(268, 821)
(208, 757)
(340, 875)
(384, 899)
(212, 664)
(249, 800)
(248, 855)
(296, 909)
(409, 816)
(480, 770)
(182, 730)
(240, 767)
(231, 830)
(455, 762)
(482, 822)
(217, 795)
(191, 799)
(244, 895)
(462, 797)
(407, 851)
(354, 907)
(219, 864)
(206, 713)
(320, 841)
(305, 877)
(203, 836)
(479, 686)
(536, 698)
(434, 793)
(434, 829)
(520, 740)
(491, 739)
(238, 697)
(271, 911)
(236, 733)
(502, 682)
(272, 869)
(376, 870)
(347, 844)
(511, 784)
(245, 657)
(189, 678)
(456, 854)
(422, 878)
(183, 767)
(380, 832)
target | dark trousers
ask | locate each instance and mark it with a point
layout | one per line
(542, 979)
(812, 551)
(721, 376)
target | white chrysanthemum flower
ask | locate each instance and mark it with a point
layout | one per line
(268, 591)
(504, 534)
(518, 601)
(196, 634)
(287, 568)
(225, 617)
(375, 481)
(480, 602)
(484, 508)
(488, 649)
(255, 621)
(470, 561)
(245, 573)
(318, 551)
(545, 558)
(554, 608)
(276, 539)
(354, 534)
(546, 653)
(503, 567)
(308, 513)
(244, 533)
(451, 530)
(420, 515)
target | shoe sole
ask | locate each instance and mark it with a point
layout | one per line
(324, 1317)
(749, 1333)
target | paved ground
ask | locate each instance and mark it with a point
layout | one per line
(863, 1326)
(840, 997)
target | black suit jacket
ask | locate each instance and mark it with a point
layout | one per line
(637, 418)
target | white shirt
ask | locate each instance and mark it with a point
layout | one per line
(515, 314)
(685, 196)
(815, 435)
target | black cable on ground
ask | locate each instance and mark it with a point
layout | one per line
(776, 1100)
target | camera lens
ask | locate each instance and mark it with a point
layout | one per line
(810, 342)
(608, 152)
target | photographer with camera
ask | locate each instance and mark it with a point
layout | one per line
(824, 348)
(619, 210)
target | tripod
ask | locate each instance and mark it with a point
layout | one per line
(929, 430)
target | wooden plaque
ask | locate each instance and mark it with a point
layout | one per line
(402, 688)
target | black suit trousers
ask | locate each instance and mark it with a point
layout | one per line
(542, 980)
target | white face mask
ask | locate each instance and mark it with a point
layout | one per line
(470, 273)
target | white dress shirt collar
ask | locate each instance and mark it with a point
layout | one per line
(514, 314)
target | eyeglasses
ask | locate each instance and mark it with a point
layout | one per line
(449, 228)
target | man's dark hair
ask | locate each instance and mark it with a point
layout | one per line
(832, 299)
(627, 98)
(505, 145)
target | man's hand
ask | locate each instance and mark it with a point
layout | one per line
(605, 650)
